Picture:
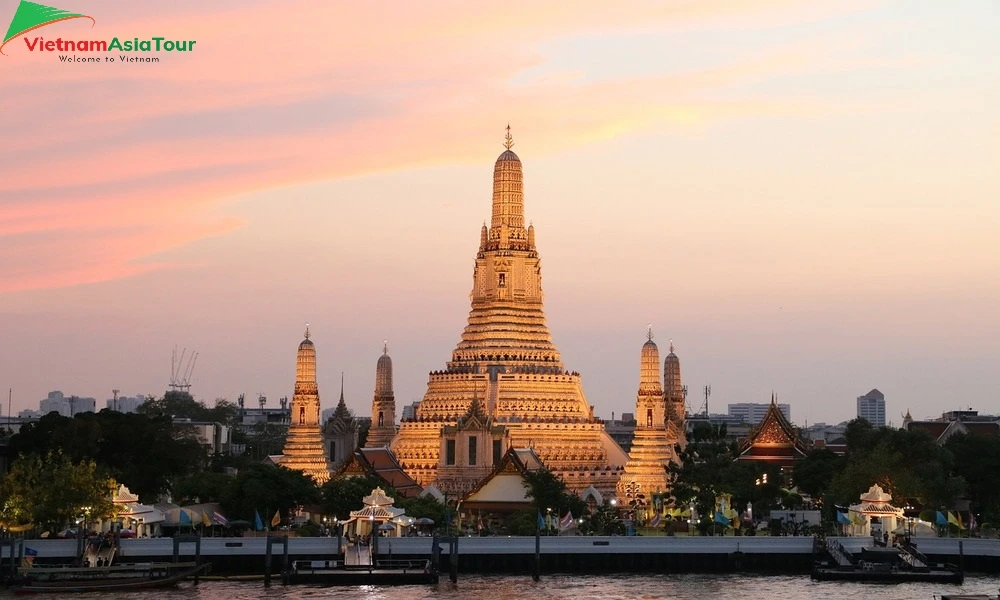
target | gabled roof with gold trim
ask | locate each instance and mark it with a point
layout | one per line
(381, 463)
(774, 439)
(504, 489)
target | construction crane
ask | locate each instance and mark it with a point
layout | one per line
(181, 371)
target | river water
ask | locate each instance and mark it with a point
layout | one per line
(578, 587)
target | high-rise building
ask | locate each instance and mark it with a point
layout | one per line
(753, 412)
(304, 445)
(506, 361)
(871, 407)
(655, 434)
(66, 406)
(126, 404)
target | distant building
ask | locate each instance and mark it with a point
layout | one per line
(871, 407)
(753, 412)
(622, 430)
(736, 428)
(968, 422)
(214, 437)
(66, 406)
(410, 411)
(126, 404)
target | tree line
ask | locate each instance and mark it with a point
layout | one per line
(910, 465)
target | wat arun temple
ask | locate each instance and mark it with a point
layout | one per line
(506, 387)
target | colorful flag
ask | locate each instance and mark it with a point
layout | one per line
(276, 519)
(185, 518)
(541, 521)
(258, 524)
(955, 520)
(479, 523)
(842, 518)
(566, 521)
(721, 518)
(655, 522)
(221, 520)
(205, 520)
(941, 519)
(972, 520)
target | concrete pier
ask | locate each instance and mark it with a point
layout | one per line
(558, 554)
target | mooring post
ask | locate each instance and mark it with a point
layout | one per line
(453, 561)
(267, 563)
(285, 568)
(537, 573)
(436, 554)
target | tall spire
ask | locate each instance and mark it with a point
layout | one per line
(649, 368)
(507, 225)
(385, 346)
(341, 388)
(307, 331)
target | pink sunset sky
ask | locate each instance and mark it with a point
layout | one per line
(803, 196)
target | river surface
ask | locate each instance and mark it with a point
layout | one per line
(577, 587)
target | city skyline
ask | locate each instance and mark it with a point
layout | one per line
(801, 197)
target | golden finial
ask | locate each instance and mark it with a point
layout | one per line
(671, 346)
(649, 332)
(508, 141)
(307, 331)
(385, 346)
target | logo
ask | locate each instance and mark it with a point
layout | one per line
(30, 16)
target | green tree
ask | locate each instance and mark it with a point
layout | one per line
(146, 453)
(340, 496)
(549, 494)
(814, 473)
(54, 491)
(977, 461)
(423, 506)
(267, 488)
(909, 465)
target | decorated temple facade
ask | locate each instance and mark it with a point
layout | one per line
(304, 445)
(340, 432)
(774, 440)
(657, 431)
(506, 359)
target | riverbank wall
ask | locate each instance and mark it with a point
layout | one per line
(569, 554)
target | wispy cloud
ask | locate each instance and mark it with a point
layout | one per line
(107, 165)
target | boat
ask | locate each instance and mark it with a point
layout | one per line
(62, 579)
(969, 597)
(894, 564)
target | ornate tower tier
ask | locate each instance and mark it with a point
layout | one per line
(304, 445)
(653, 445)
(506, 358)
(673, 391)
(383, 426)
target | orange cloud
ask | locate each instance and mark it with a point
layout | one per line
(101, 152)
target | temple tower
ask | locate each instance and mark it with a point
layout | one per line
(506, 358)
(304, 445)
(675, 397)
(340, 432)
(383, 427)
(653, 445)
